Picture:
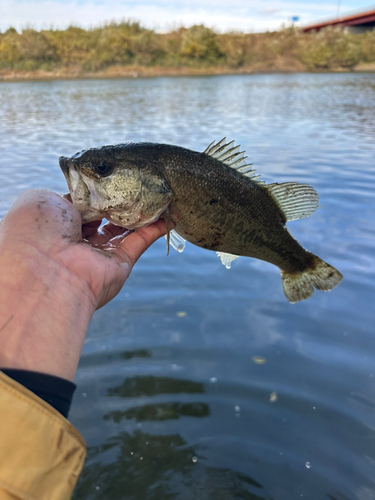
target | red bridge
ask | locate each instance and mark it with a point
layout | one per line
(356, 22)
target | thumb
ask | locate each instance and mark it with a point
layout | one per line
(45, 214)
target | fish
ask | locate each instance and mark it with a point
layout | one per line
(215, 200)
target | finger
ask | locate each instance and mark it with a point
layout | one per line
(91, 228)
(67, 197)
(140, 240)
(106, 233)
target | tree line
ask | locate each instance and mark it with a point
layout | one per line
(127, 43)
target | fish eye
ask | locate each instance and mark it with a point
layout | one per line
(104, 168)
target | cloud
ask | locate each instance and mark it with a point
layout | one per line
(269, 11)
(222, 15)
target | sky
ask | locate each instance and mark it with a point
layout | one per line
(164, 15)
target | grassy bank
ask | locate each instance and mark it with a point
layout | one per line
(127, 49)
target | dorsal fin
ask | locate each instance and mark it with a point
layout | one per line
(294, 200)
(232, 157)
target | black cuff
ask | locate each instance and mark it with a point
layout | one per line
(56, 391)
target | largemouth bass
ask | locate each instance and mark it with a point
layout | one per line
(214, 199)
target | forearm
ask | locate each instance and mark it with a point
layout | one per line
(44, 314)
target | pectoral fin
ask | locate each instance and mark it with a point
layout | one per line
(175, 241)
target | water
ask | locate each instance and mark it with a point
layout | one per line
(196, 381)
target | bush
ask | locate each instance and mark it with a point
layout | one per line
(315, 55)
(147, 48)
(234, 48)
(199, 43)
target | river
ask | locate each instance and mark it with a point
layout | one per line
(202, 382)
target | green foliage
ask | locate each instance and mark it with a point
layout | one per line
(315, 55)
(346, 49)
(9, 54)
(128, 43)
(199, 43)
(147, 48)
(332, 48)
(234, 48)
(368, 46)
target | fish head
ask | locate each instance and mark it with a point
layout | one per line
(103, 183)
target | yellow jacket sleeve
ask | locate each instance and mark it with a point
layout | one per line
(41, 453)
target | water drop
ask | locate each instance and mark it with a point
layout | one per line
(181, 314)
(195, 460)
(237, 409)
(97, 487)
(273, 397)
(141, 458)
(228, 266)
(259, 360)
(308, 465)
(84, 395)
(131, 453)
(213, 380)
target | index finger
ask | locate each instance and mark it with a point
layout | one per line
(136, 243)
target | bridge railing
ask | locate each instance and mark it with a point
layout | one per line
(352, 13)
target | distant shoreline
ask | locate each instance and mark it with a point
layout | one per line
(149, 72)
(127, 50)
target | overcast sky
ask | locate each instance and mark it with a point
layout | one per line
(222, 15)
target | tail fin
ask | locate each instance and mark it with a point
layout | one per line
(300, 285)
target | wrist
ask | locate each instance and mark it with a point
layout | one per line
(44, 314)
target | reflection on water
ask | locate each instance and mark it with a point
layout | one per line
(150, 466)
(161, 467)
(170, 398)
(149, 386)
(139, 353)
(161, 411)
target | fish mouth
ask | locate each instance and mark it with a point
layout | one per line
(63, 162)
(71, 175)
(79, 191)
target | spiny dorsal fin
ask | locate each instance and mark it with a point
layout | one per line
(294, 200)
(231, 156)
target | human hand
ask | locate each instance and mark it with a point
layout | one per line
(54, 273)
